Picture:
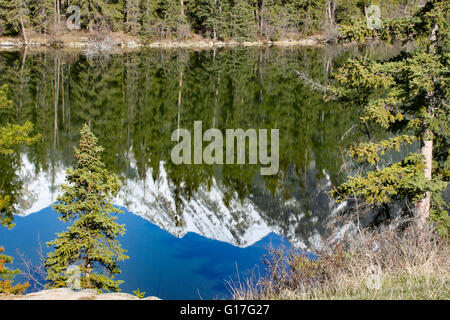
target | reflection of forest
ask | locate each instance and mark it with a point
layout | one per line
(134, 101)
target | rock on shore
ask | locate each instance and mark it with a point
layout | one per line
(69, 294)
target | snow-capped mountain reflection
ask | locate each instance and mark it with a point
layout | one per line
(241, 223)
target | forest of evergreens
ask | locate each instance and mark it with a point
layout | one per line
(180, 19)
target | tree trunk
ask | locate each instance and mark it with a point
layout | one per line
(62, 93)
(423, 206)
(22, 26)
(426, 145)
(58, 12)
(56, 102)
(215, 21)
(88, 275)
(90, 25)
(330, 10)
(55, 18)
(261, 26)
(180, 32)
(179, 101)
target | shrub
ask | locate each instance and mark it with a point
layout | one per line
(409, 264)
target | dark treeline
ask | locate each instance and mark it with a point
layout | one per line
(180, 19)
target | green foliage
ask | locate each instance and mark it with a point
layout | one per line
(356, 31)
(131, 103)
(370, 152)
(216, 19)
(91, 239)
(42, 15)
(243, 25)
(11, 135)
(139, 294)
(441, 219)
(100, 13)
(7, 275)
(10, 188)
(209, 17)
(5, 103)
(132, 16)
(408, 96)
(169, 12)
(13, 13)
(395, 17)
(5, 205)
(404, 179)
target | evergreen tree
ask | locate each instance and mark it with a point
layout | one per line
(42, 13)
(7, 275)
(148, 19)
(173, 17)
(408, 96)
(15, 15)
(100, 13)
(208, 17)
(90, 242)
(132, 16)
(216, 19)
(243, 21)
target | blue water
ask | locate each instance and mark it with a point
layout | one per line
(160, 264)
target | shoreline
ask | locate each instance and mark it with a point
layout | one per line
(85, 41)
(70, 294)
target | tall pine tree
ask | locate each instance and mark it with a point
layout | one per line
(90, 242)
(407, 95)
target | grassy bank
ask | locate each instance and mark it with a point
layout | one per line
(387, 264)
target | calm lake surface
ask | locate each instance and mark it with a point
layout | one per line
(190, 228)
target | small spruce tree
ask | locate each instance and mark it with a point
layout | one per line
(90, 242)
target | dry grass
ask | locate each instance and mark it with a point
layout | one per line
(411, 264)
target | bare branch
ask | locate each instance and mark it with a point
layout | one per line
(315, 85)
(32, 273)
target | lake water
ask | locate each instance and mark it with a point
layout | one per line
(190, 228)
